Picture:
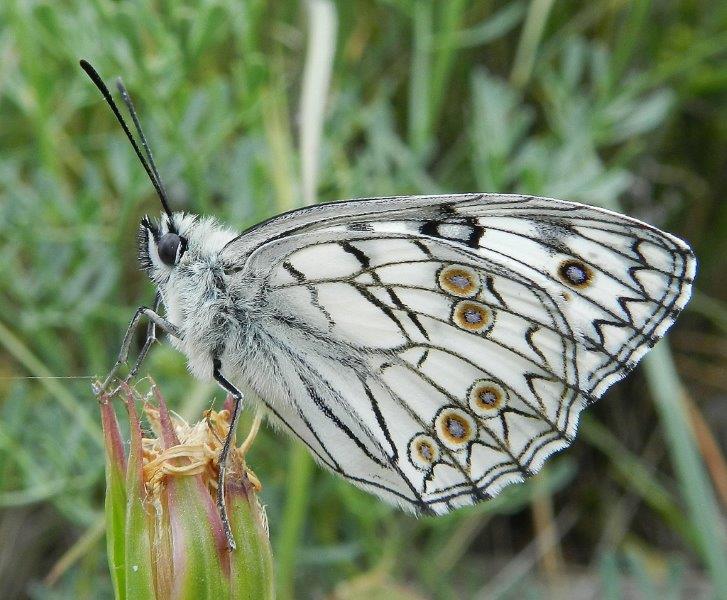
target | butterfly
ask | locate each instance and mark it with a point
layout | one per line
(430, 350)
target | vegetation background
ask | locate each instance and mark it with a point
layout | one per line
(612, 102)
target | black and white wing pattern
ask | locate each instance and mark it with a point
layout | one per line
(433, 350)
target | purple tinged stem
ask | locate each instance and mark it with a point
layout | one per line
(170, 438)
(114, 445)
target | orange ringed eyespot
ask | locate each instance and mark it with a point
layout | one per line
(472, 316)
(423, 451)
(575, 273)
(455, 428)
(487, 398)
(459, 280)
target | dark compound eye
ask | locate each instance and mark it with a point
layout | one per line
(170, 248)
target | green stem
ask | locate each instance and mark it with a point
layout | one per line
(529, 42)
(300, 468)
(696, 489)
(419, 107)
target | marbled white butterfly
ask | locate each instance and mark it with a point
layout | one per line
(430, 350)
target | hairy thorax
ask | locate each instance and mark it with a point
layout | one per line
(199, 303)
(219, 315)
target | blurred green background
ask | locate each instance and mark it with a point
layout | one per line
(610, 102)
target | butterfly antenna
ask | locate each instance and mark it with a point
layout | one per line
(150, 170)
(144, 144)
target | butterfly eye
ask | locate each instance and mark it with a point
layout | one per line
(170, 248)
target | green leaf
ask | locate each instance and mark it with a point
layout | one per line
(251, 564)
(140, 576)
(115, 500)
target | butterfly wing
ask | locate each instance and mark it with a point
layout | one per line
(435, 349)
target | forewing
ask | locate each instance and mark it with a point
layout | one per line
(442, 348)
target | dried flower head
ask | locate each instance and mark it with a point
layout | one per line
(165, 536)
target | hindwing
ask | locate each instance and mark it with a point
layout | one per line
(433, 350)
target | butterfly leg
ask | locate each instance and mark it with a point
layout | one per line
(154, 321)
(237, 396)
(151, 337)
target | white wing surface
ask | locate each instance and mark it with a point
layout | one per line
(435, 349)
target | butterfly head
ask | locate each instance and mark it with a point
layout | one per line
(162, 245)
(180, 240)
